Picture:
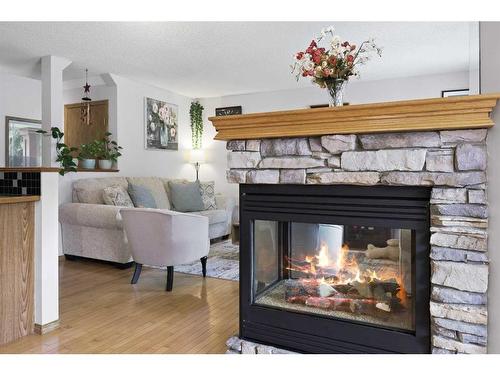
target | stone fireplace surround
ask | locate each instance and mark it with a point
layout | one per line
(453, 162)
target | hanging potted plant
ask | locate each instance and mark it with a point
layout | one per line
(196, 116)
(109, 152)
(333, 66)
(64, 153)
(89, 152)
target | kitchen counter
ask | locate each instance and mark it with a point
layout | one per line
(29, 254)
(29, 169)
(6, 199)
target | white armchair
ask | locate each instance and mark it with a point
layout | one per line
(165, 238)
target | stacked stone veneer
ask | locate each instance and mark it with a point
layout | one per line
(452, 162)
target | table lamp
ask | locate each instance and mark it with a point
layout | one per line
(197, 157)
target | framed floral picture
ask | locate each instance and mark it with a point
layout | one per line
(160, 125)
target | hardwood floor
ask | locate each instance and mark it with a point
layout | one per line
(101, 312)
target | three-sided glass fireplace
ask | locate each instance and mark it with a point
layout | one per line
(327, 269)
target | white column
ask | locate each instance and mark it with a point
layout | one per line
(46, 212)
(52, 102)
(490, 83)
(46, 250)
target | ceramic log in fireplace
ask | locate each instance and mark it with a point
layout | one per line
(335, 269)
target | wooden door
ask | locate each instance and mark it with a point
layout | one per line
(77, 131)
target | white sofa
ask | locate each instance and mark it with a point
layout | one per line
(91, 229)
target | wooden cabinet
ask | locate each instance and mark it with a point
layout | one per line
(77, 131)
(16, 269)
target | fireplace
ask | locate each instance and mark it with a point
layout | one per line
(414, 162)
(335, 269)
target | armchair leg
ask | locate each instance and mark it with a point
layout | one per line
(170, 278)
(137, 273)
(204, 266)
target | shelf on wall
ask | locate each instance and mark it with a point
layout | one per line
(452, 113)
(98, 170)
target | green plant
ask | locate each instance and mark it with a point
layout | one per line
(90, 150)
(64, 153)
(196, 116)
(109, 150)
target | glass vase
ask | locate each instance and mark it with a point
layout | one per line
(336, 90)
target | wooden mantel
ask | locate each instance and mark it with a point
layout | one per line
(459, 112)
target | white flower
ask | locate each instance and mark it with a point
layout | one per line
(163, 113)
(335, 41)
(327, 30)
(337, 51)
(155, 108)
(308, 65)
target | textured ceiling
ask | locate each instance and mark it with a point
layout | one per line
(202, 59)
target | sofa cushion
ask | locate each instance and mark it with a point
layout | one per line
(90, 190)
(165, 182)
(117, 196)
(207, 190)
(214, 216)
(186, 197)
(155, 186)
(141, 196)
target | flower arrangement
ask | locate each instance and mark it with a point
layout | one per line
(332, 67)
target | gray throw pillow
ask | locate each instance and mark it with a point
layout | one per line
(141, 196)
(186, 196)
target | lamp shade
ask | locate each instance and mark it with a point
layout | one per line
(197, 156)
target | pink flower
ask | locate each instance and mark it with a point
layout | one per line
(311, 47)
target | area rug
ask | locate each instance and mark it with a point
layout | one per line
(222, 263)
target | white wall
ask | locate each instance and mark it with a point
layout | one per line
(136, 160)
(357, 92)
(19, 97)
(490, 83)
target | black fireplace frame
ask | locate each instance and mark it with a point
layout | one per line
(396, 206)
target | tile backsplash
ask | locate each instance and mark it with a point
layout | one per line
(20, 183)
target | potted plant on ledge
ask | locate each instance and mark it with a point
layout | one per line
(109, 152)
(64, 153)
(88, 154)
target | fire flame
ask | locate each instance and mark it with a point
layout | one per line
(342, 269)
(322, 256)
